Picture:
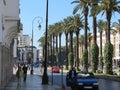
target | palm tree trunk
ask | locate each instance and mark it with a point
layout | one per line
(60, 50)
(57, 50)
(108, 31)
(56, 44)
(77, 61)
(71, 41)
(86, 28)
(66, 50)
(85, 32)
(101, 57)
(53, 47)
(94, 28)
(71, 47)
(101, 43)
(51, 58)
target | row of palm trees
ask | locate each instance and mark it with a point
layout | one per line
(73, 24)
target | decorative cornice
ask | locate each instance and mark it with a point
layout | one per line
(11, 18)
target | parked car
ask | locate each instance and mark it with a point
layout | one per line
(55, 69)
(84, 80)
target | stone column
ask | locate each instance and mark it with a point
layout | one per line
(15, 48)
(0, 66)
(0, 21)
(0, 40)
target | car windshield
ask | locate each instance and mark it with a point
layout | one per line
(85, 75)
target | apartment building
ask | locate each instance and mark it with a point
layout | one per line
(115, 40)
(9, 28)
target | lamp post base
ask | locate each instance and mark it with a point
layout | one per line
(45, 79)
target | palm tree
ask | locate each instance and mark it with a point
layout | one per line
(56, 30)
(83, 5)
(77, 25)
(94, 52)
(70, 29)
(81, 42)
(59, 29)
(51, 33)
(65, 29)
(109, 7)
(56, 42)
(94, 11)
(100, 26)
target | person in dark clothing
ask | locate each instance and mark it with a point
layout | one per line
(72, 75)
(25, 72)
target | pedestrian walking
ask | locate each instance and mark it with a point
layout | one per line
(72, 75)
(24, 72)
(19, 73)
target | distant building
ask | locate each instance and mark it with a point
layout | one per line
(25, 49)
(23, 40)
(115, 40)
(41, 53)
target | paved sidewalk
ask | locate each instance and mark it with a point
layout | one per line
(33, 82)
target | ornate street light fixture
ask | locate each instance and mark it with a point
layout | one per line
(45, 75)
(39, 26)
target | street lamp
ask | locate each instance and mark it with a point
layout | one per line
(45, 76)
(39, 26)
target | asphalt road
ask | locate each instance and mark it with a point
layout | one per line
(103, 84)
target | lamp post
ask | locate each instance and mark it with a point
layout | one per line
(45, 76)
(39, 26)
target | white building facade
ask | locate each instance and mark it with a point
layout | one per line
(9, 28)
(115, 40)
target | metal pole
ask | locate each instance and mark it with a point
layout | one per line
(32, 44)
(45, 76)
(32, 51)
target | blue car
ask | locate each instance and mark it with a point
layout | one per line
(84, 81)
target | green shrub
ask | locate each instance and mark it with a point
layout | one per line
(94, 57)
(85, 59)
(108, 54)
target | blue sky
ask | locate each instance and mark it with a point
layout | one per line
(29, 9)
(58, 10)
